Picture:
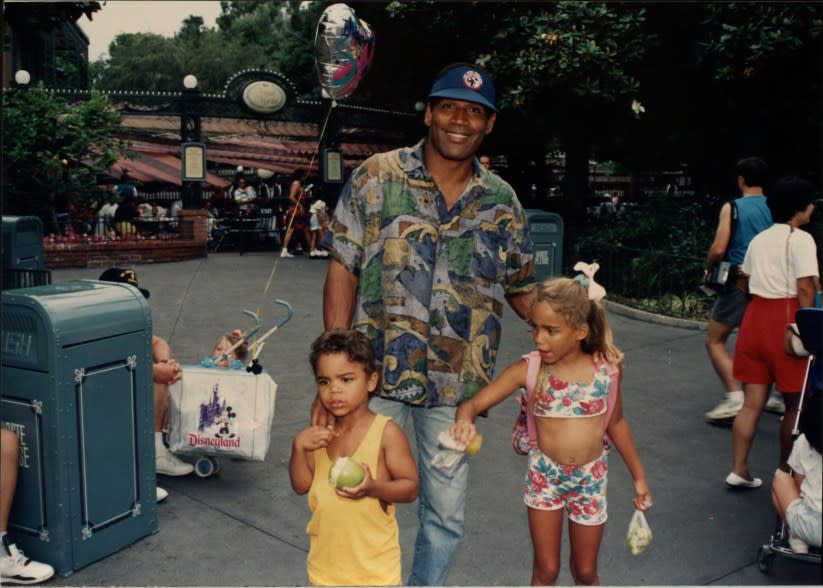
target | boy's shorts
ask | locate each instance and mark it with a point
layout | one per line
(805, 522)
(580, 489)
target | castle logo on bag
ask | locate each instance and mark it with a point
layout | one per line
(214, 428)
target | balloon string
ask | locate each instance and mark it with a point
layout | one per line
(294, 210)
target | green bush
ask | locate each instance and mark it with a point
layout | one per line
(653, 254)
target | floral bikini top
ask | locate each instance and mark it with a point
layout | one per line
(557, 398)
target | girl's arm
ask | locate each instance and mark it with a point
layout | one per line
(403, 483)
(301, 463)
(621, 436)
(512, 378)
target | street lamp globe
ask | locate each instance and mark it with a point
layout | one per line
(190, 82)
(22, 77)
(420, 106)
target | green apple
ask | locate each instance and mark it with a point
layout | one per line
(346, 473)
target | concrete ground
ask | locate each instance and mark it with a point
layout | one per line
(246, 527)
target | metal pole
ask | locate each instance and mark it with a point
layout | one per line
(192, 192)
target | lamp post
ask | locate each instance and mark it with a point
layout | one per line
(22, 78)
(192, 190)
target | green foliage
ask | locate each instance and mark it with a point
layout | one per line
(654, 251)
(586, 49)
(274, 35)
(53, 147)
(754, 40)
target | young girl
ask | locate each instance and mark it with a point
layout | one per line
(353, 531)
(567, 470)
(221, 352)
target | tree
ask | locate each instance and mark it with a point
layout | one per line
(52, 149)
(273, 35)
(563, 69)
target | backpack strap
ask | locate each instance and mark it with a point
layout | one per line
(735, 216)
(533, 363)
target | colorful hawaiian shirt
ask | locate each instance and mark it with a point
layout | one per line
(431, 281)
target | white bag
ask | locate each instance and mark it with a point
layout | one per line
(218, 411)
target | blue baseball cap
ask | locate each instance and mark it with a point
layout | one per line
(465, 82)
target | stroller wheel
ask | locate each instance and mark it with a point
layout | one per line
(765, 559)
(205, 467)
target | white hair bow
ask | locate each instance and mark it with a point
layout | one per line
(596, 291)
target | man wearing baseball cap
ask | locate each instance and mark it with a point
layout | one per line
(425, 248)
(165, 371)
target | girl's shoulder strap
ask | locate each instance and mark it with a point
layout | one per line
(613, 372)
(533, 363)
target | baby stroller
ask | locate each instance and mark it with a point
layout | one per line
(810, 325)
(223, 408)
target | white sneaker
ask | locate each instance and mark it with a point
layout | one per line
(168, 464)
(16, 568)
(775, 404)
(314, 253)
(285, 253)
(797, 544)
(162, 494)
(322, 253)
(728, 408)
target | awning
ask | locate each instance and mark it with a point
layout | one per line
(159, 167)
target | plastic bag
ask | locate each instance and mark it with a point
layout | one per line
(639, 536)
(448, 457)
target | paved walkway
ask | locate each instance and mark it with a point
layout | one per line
(247, 527)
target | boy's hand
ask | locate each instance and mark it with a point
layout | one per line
(463, 431)
(642, 496)
(320, 416)
(362, 489)
(166, 371)
(313, 438)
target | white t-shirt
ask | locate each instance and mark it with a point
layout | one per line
(765, 261)
(805, 460)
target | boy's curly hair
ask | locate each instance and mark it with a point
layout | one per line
(353, 343)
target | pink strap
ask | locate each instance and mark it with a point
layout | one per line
(533, 363)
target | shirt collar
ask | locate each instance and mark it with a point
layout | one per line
(415, 165)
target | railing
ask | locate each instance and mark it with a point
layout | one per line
(105, 229)
(656, 281)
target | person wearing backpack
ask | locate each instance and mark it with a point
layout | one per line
(740, 220)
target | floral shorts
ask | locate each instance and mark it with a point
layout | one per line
(580, 489)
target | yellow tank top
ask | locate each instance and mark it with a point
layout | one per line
(353, 542)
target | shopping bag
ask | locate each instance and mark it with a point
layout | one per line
(221, 412)
(640, 534)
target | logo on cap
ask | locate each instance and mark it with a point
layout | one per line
(472, 80)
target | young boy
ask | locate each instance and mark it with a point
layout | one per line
(353, 530)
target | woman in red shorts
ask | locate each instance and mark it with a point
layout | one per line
(781, 263)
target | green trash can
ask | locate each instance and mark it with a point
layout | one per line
(546, 230)
(23, 253)
(77, 390)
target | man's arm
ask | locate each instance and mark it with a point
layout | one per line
(339, 297)
(522, 303)
(721, 238)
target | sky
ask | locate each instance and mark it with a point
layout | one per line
(130, 16)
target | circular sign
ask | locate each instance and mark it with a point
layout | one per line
(264, 97)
